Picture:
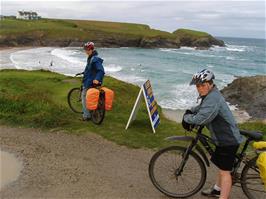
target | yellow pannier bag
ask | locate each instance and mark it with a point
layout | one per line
(92, 98)
(109, 98)
(261, 163)
(259, 145)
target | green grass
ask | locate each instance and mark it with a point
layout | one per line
(191, 33)
(78, 29)
(38, 99)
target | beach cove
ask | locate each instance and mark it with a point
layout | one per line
(54, 165)
(165, 68)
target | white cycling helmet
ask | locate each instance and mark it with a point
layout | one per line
(202, 76)
(88, 46)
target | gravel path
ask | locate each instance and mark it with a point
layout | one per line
(60, 165)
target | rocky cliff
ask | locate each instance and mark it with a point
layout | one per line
(248, 93)
(200, 40)
(51, 32)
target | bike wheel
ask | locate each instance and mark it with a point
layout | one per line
(74, 100)
(165, 164)
(251, 182)
(97, 115)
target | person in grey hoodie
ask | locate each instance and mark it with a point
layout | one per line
(214, 113)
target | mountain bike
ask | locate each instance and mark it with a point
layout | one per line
(74, 100)
(180, 172)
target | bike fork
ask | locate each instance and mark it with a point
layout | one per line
(185, 158)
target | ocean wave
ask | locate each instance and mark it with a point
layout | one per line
(67, 54)
(187, 72)
(182, 96)
(235, 48)
(196, 53)
(112, 68)
(232, 48)
(137, 80)
(210, 65)
(230, 58)
(16, 63)
(187, 48)
(167, 49)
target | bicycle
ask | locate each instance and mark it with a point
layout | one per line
(180, 172)
(74, 100)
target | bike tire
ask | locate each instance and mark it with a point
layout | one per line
(74, 100)
(97, 115)
(198, 166)
(251, 182)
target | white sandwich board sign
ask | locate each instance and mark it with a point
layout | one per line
(151, 105)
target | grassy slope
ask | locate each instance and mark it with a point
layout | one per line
(38, 99)
(191, 33)
(80, 29)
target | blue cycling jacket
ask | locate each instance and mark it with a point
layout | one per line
(93, 70)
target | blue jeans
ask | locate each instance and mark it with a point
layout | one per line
(86, 113)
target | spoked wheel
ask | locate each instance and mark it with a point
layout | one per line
(166, 177)
(251, 182)
(97, 115)
(74, 100)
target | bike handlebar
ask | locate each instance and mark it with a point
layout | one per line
(79, 74)
(96, 85)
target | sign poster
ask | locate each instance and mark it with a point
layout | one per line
(152, 108)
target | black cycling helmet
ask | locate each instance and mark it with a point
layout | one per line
(202, 77)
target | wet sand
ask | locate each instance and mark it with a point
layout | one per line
(10, 168)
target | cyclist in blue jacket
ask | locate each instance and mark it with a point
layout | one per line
(214, 113)
(92, 75)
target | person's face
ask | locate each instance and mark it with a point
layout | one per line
(88, 52)
(203, 89)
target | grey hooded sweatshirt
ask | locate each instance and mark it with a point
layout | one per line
(214, 113)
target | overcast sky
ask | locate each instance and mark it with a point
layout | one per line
(219, 18)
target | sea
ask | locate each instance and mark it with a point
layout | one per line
(169, 70)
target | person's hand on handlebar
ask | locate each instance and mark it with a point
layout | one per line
(186, 125)
(95, 82)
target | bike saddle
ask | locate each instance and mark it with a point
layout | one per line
(257, 136)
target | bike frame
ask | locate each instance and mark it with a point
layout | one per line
(205, 142)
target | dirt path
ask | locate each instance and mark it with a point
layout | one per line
(59, 165)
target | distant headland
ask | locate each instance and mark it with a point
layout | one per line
(65, 32)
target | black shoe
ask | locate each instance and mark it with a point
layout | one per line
(211, 192)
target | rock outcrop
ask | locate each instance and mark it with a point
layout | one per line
(197, 39)
(159, 42)
(248, 93)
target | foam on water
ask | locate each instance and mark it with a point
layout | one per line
(236, 48)
(111, 68)
(68, 55)
(181, 96)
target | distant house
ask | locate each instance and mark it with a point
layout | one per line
(27, 15)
